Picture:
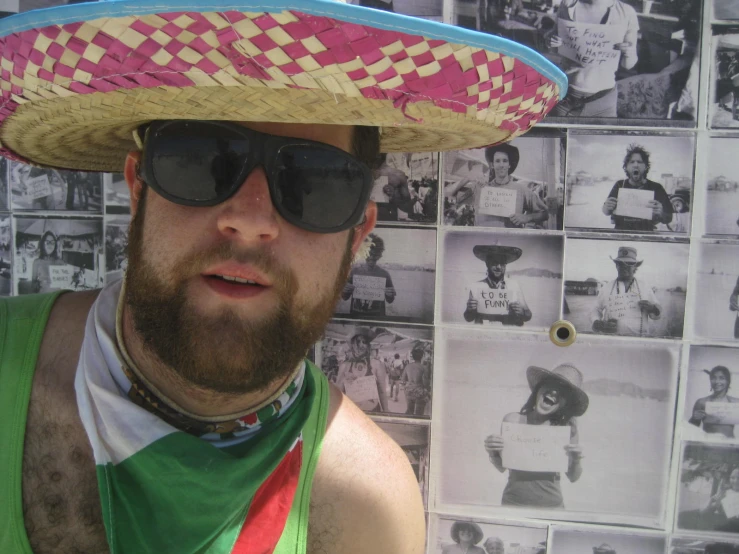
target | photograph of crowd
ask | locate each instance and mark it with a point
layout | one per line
(33, 188)
(461, 536)
(722, 187)
(635, 183)
(414, 439)
(6, 256)
(635, 61)
(396, 279)
(717, 291)
(116, 243)
(708, 495)
(538, 429)
(724, 99)
(117, 197)
(616, 287)
(569, 540)
(383, 370)
(54, 253)
(406, 187)
(517, 184)
(501, 280)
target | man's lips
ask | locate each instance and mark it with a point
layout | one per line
(238, 274)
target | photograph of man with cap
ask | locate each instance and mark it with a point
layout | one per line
(246, 132)
(360, 364)
(466, 535)
(363, 306)
(530, 210)
(626, 305)
(495, 298)
(636, 166)
(680, 200)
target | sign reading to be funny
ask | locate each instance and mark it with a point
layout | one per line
(535, 447)
(591, 44)
(492, 301)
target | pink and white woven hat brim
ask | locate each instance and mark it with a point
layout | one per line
(76, 80)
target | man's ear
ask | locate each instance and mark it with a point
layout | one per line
(135, 185)
(365, 228)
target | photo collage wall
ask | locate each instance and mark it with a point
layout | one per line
(619, 213)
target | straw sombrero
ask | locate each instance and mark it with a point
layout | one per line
(507, 253)
(76, 80)
(566, 374)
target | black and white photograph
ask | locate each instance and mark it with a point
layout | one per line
(539, 430)
(414, 439)
(724, 100)
(406, 187)
(519, 184)
(58, 253)
(569, 540)
(627, 288)
(725, 10)
(4, 184)
(116, 243)
(716, 298)
(722, 187)
(635, 183)
(451, 535)
(394, 277)
(34, 188)
(27, 5)
(629, 62)
(117, 196)
(426, 9)
(383, 370)
(711, 402)
(702, 545)
(708, 493)
(6, 256)
(503, 280)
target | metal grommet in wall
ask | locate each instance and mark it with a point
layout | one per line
(562, 333)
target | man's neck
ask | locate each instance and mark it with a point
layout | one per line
(167, 384)
(638, 183)
(627, 282)
(502, 180)
(493, 281)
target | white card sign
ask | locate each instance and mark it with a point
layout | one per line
(498, 201)
(363, 391)
(633, 203)
(492, 301)
(61, 276)
(368, 287)
(723, 412)
(378, 194)
(591, 44)
(535, 447)
(621, 306)
(730, 504)
(37, 187)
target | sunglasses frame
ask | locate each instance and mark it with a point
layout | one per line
(267, 147)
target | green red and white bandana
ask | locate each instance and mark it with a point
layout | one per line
(165, 490)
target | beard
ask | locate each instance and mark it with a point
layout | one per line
(223, 353)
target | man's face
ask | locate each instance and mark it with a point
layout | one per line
(636, 168)
(496, 268)
(501, 164)
(360, 346)
(217, 333)
(372, 260)
(626, 270)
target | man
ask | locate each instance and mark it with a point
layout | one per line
(495, 299)
(390, 191)
(396, 372)
(626, 305)
(417, 382)
(174, 411)
(363, 373)
(636, 166)
(369, 281)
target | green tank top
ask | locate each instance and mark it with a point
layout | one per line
(22, 323)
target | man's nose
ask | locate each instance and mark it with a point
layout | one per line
(249, 214)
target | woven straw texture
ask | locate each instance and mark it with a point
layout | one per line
(73, 93)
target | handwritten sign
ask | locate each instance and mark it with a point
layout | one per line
(37, 187)
(61, 276)
(378, 194)
(363, 392)
(622, 306)
(591, 44)
(730, 504)
(368, 287)
(633, 203)
(723, 412)
(498, 201)
(492, 301)
(535, 447)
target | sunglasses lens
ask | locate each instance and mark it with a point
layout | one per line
(196, 162)
(318, 187)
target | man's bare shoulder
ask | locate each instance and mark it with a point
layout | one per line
(365, 495)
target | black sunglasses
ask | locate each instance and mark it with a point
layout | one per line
(313, 185)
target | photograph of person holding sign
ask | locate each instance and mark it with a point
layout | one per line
(717, 287)
(362, 377)
(556, 399)
(705, 412)
(49, 256)
(721, 512)
(369, 286)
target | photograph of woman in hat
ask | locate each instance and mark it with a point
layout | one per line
(361, 365)
(530, 209)
(720, 378)
(556, 398)
(49, 255)
(466, 535)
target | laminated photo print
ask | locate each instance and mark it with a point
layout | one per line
(708, 493)
(54, 253)
(453, 535)
(6, 256)
(571, 540)
(34, 188)
(383, 370)
(711, 409)
(724, 100)
(425, 9)
(630, 182)
(702, 545)
(406, 187)
(4, 184)
(116, 243)
(395, 280)
(627, 288)
(117, 195)
(501, 280)
(716, 312)
(628, 63)
(516, 185)
(530, 429)
(725, 10)
(722, 187)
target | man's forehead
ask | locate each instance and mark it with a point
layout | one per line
(335, 135)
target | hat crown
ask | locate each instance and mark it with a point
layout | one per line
(569, 373)
(627, 252)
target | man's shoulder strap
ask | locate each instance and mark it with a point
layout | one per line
(29, 313)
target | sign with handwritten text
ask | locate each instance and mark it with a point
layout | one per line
(492, 301)
(591, 44)
(624, 305)
(498, 201)
(368, 287)
(61, 276)
(723, 412)
(37, 187)
(535, 447)
(633, 203)
(363, 392)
